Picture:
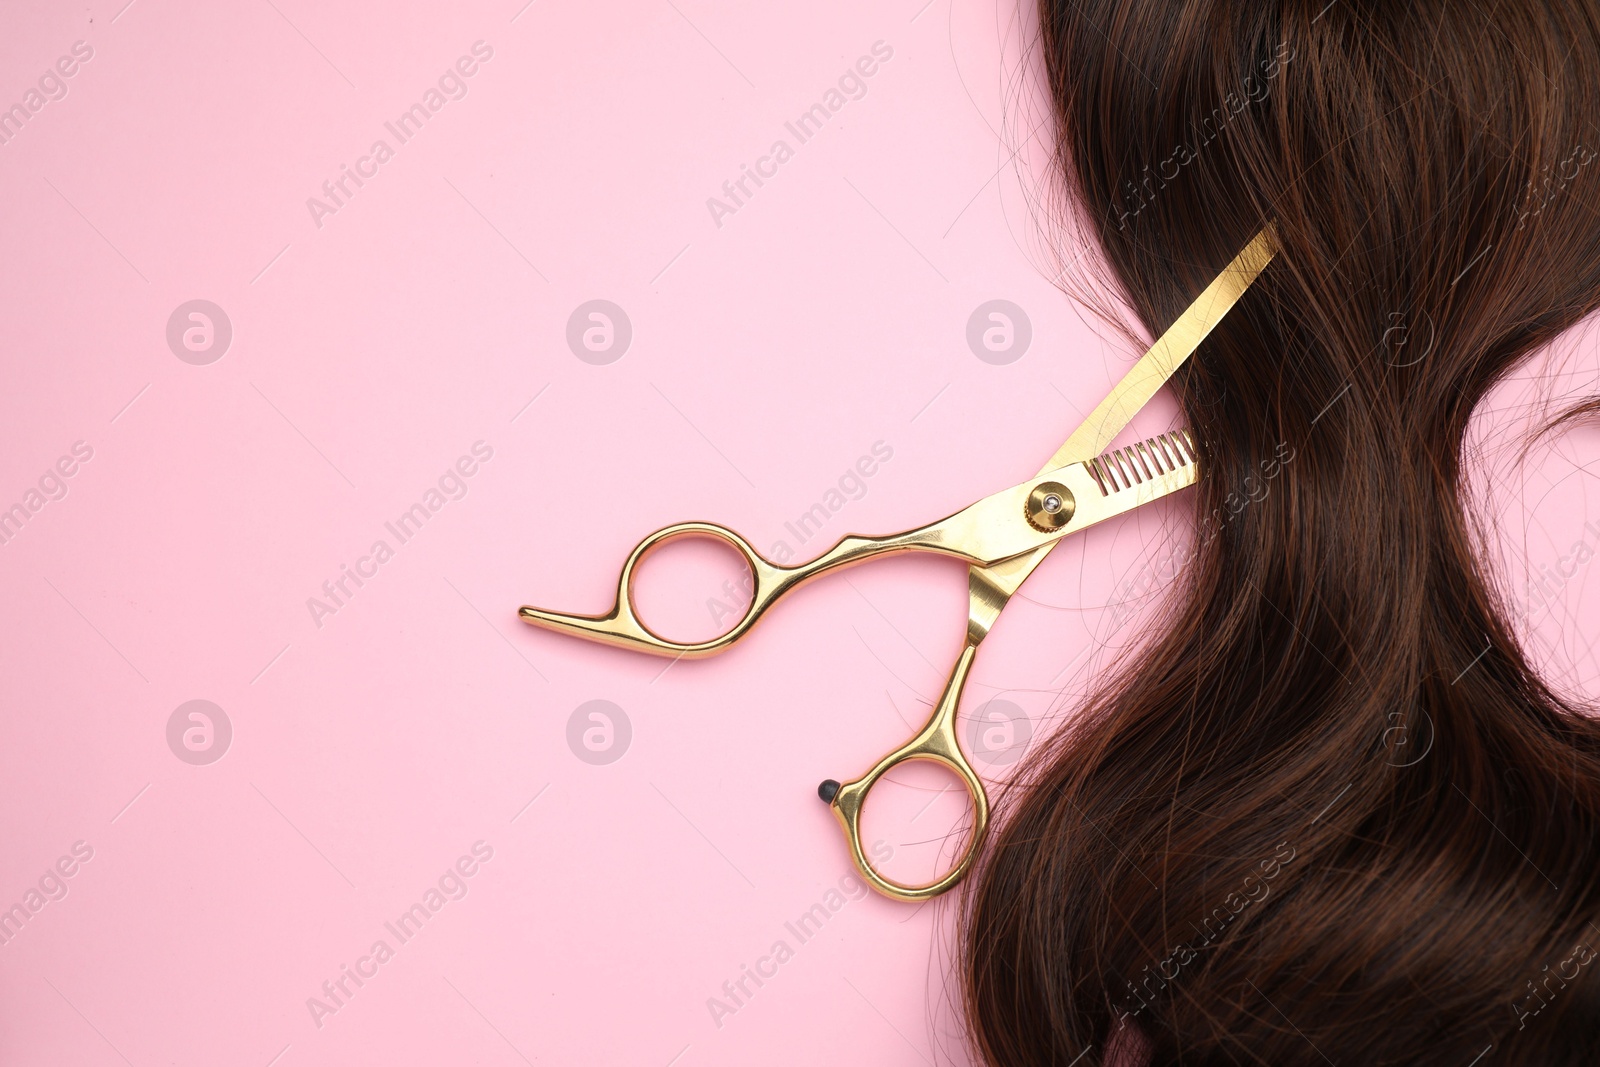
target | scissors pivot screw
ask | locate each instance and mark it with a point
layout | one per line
(1050, 506)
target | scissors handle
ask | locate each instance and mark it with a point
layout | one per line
(936, 742)
(622, 627)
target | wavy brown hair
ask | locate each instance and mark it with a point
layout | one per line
(1329, 814)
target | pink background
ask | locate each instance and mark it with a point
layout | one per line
(429, 313)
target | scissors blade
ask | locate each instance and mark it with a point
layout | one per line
(1164, 357)
(992, 586)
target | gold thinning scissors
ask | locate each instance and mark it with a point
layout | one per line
(1003, 537)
